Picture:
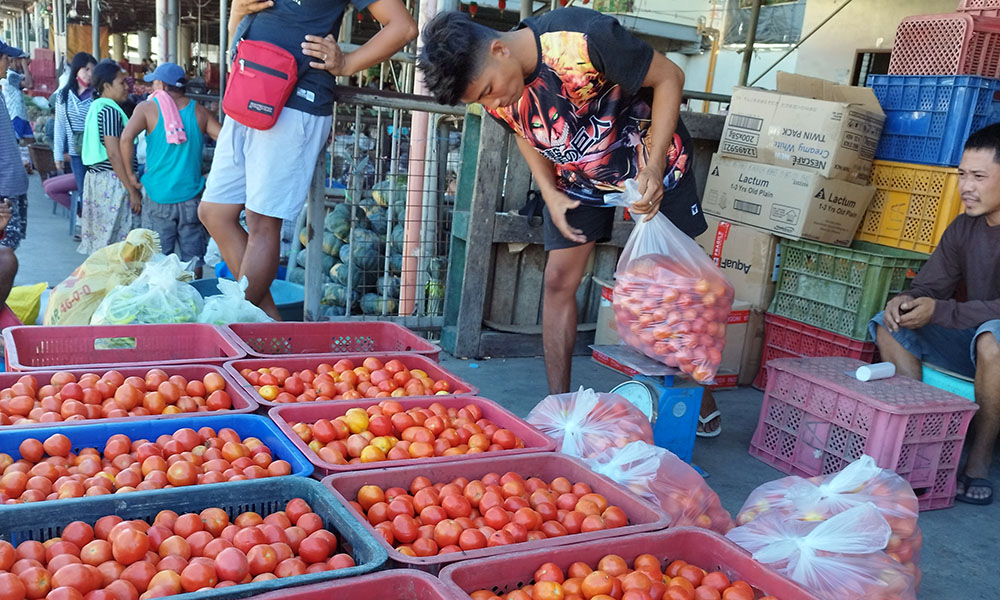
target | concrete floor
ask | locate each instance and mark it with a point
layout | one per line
(961, 544)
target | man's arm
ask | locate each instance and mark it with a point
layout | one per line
(241, 8)
(398, 28)
(557, 202)
(138, 123)
(28, 82)
(208, 123)
(124, 173)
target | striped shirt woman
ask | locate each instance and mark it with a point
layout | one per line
(72, 102)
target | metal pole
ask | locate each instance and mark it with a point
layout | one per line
(526, 6)
(804, 38)
(173, 18)
(223, 48)
(95, 28)
(751, 38)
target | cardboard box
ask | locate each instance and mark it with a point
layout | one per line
(811, 124)
(789, 202)
(746, 257)
(606, 333)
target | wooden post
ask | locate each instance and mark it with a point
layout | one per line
(315, 212)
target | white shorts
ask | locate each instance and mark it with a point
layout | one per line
(268, 171)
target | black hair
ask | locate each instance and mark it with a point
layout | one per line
(104, 74)
(453, 53)
(987, 138)
(80, 61)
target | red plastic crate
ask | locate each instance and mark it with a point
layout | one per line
(285, 414)
(284, 338)
(242, 402)
(68, 347)
(299, 362)
(387, 585)
(786, 338)
(984, 8)
(948, 44)
(699, 547)
(642, 516)
(815, 419)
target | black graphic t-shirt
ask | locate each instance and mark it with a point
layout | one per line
(584, 108)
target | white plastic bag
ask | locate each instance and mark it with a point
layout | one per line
(836, 559)
(657, 475)
(231, 305)
(586, 423)
(159, 295)
(671, 301)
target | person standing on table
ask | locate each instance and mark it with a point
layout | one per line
(927, 323)
(592, 106)
(13, 188)
(269, 172)
(72, 103)
(172, 184)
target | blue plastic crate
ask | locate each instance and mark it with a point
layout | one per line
(949, 382)
(41, 522)
(929, 117)
(96, 436)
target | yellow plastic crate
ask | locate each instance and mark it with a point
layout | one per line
(912, 207)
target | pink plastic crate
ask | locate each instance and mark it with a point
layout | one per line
(114, 346)
(387, 585)
(984, 8)
(285, 414)
(284, 338)
(786, 338)
(815, 419)
(948, 44)
(311, 361)
(242, 402)
(700, 547)
(642, 516)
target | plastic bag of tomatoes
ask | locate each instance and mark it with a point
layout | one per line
(822, 497)
(657, 475)
(836, 559)
(671, 301)
(586, 423)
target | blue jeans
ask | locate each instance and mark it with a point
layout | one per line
(940, 346)
(79, 171)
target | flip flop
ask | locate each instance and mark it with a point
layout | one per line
(971, 482)
(704, 421)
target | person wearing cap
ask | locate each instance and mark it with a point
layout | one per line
(175, 127)
(13, 187)
(17, 78)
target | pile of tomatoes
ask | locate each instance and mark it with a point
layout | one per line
(674, 316)
(613, 579)
(111, 395)
(49, 470)
(384, 431)
(116, 559)
(344, 381)
(432, 519)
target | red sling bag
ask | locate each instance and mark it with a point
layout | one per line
(262, 78)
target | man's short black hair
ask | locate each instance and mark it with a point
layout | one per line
(987, 138)
(452, 55)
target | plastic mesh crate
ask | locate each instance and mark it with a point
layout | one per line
(912, 206)
(283, 338)
(387, 585)
(264, 496)
(700, 547)
(785, 338)
(840, 289)
(113, 346)
(947, 44)
(815, 419)
(642, 516)
(985, 8)
(928, 118)
(284, 415)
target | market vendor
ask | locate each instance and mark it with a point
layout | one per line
(592, 106)
(928, 323)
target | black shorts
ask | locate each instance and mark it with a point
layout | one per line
(682, 205)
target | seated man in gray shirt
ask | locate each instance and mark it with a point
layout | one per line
(927, 323)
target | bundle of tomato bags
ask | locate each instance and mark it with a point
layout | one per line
(836, 559)
(657, 475)
(671, 301)
(586, 423)
(862, 481)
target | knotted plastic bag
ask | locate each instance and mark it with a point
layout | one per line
(671, 301)
(587, 423)
(822, 497)
(657, 475)
(231, 305)
(836, 559)
(159, 295)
